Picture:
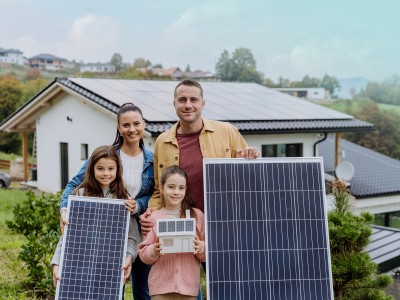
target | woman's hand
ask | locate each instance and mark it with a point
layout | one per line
(145, 222)
(157, 249)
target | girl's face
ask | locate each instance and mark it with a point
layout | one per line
(131, 127)
(105, 171)
(174, 191)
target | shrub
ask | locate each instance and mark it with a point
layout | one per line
(37, 218)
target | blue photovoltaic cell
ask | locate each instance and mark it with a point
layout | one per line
(266, 229)
(94, 249)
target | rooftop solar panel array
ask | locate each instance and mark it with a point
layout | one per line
(94, 246)
(266, 229)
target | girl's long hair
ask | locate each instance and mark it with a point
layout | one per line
(92, 187)
(187, 202)
(119, 139)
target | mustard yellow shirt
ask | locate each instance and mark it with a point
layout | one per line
(217, 140)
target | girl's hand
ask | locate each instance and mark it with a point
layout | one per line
(157, 248)
(127, 267)
(56, 275)
(130, 205)
(198, 245)
(63, 220)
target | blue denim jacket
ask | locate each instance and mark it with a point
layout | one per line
(142, 197)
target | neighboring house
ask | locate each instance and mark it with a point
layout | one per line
(306, 93)
(11, 56)
(375, 187)
(97, 68)
(47, 62)
(73, 116)
(177, 74)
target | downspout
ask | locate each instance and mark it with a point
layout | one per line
(319, 141)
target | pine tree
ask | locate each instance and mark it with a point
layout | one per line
(354, 274)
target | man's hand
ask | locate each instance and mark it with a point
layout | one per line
(56, 275)
(127, 267)
(248, 153)
(145, 222)
(63, 220)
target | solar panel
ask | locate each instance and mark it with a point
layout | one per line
(93, 251)
(266, 229)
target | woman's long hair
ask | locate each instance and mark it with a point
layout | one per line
(92, 187)
(119, 139)
(187, 202)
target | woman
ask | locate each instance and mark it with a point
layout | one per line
(138, 174)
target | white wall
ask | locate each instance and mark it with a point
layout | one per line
(88, 126)
(307, 139)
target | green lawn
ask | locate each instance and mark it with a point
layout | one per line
(12, 271)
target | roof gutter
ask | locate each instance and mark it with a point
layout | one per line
(319, 141)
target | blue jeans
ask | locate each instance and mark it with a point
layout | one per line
(139, 275)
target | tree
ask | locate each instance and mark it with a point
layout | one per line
(10, 94)
(385, 138)
(116, 60)
(187, 68)
(141, 63)
(386, 92)
(240, 67)
(354, 274)
(330, 83)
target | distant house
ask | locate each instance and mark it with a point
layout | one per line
(97, 68)
(306, 93)
(177, 74)
(73, 116)
(11, 56)
(47, 62)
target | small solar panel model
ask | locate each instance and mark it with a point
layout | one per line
(266, 229)
(94, 249)
(176, 235)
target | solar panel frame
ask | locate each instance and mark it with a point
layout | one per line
(81, 214)
(224, 277)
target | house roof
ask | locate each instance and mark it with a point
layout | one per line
(253, 108)
(384, 247)
(375, 174)
(2, 50)
(47, 56)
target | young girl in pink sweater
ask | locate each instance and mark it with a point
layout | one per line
(174, 275)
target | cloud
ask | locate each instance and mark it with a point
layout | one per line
(315, 57)
(91, 38)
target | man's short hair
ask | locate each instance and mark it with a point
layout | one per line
(189, 82)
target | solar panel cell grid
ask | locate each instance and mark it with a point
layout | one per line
(266, 230)
(94, 249)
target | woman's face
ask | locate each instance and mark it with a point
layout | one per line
(131, 127)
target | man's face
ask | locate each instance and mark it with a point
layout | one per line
(188, 104)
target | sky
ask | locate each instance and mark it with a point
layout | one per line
(288, 38)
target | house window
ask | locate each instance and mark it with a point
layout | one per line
(84, 152)
(282, 150)
(390, 219)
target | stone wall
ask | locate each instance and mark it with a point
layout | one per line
(394, 289)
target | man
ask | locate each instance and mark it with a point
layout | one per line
(190, 140)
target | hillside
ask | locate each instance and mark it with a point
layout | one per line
(20, 72)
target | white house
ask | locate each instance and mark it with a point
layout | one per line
(11, 56)
(306, 93)
(73, 116)
(97, 68)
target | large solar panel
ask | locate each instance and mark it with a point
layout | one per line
(94, 247)
(266, 229)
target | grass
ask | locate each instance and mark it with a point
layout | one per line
(12, 271)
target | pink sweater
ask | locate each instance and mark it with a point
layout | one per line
(173, 272)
